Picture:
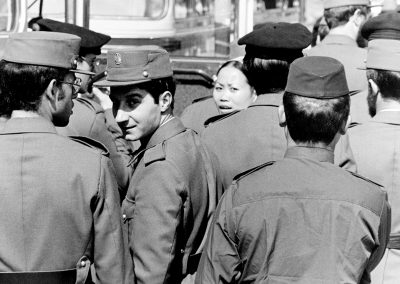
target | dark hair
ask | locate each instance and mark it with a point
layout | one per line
(339, 16)
(320, 29)
(22, 85)
(238, 65)
(387, 81)
(312, 120)
(266, 75)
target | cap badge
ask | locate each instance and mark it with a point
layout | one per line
(117, 58)
(145, 74)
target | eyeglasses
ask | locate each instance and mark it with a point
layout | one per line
(75, 86)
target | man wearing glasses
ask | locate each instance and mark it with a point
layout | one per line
(89, 119)
(59, 205)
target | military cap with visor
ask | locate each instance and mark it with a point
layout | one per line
(328, 4)
(136, 65)
(383, 34)
(318, 77)
(91, 40)
(282, 41)
(44, 49)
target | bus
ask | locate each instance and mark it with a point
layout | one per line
(199, 34)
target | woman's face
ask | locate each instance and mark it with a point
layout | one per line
(232, 91)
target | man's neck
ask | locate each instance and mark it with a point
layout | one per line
(387, 105)
(344, 30)
(24, 114)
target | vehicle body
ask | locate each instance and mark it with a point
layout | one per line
(199, 34)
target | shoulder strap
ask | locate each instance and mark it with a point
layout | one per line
(364, 178)
(219, 117)
(91, 143)
(156, 153)
(201, 99)
(252, 170)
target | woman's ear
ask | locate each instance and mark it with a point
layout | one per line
(165, 101)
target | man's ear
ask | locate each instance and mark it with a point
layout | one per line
(52, 93)
(374, 86)
(282, 116)
(165, 101)
(358, 18)
(345, 125)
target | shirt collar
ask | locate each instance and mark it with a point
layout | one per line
(165, 132)
(313, 153)
(339, 39)
(27, 125)
(274, 99)
(391, 117)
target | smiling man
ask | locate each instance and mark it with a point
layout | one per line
(167, 206)
(59, 200)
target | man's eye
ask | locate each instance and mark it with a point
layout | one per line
(133, 103)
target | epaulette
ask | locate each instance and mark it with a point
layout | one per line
(201, 99)
(353, 124)
(364, 178)
(219, 117)
(252, 170)
(354, 92)
(156, 153)
(91, 143)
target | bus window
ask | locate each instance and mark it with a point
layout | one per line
(277, 11)
(7, 15)
(127, 9)
(54, 9)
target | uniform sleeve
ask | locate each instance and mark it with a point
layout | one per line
(220, 261)
(153, 231)
(384, 235)
(111, 260)
(120, 152)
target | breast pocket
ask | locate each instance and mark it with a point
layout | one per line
(128, 210)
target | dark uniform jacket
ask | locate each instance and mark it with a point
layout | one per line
(243, 140)
(298, 220)
(89, 119)
(167, 206)
(59, 202)
(346, 50)
(376, 148)
(197, 113)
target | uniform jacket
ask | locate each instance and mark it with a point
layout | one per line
(243, 140)
(298, 220)
(166, 209)
(376, 148)
(196, 114)
(58, 202)
(345, 49)
(89, 119)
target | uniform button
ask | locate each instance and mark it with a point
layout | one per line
(145, 74)
(83, 263)
(182, 251)
(124, 216)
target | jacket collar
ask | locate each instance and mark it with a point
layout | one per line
(165, 132)
(339, 39)
(389, 117)
(313, 153)
(27, 125)
(270, 99)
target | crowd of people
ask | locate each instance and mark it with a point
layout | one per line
(287, 174)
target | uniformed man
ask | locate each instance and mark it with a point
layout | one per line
(375, 144)
(59, 206)
(168, 203)
(301, 219)
(345, 19)
(89, 118)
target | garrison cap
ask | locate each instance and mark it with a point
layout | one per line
(318, 77)
(383, 26)
(341, 3)
(91, 41)
(136, 65)
(43, 48)
(283, 41)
